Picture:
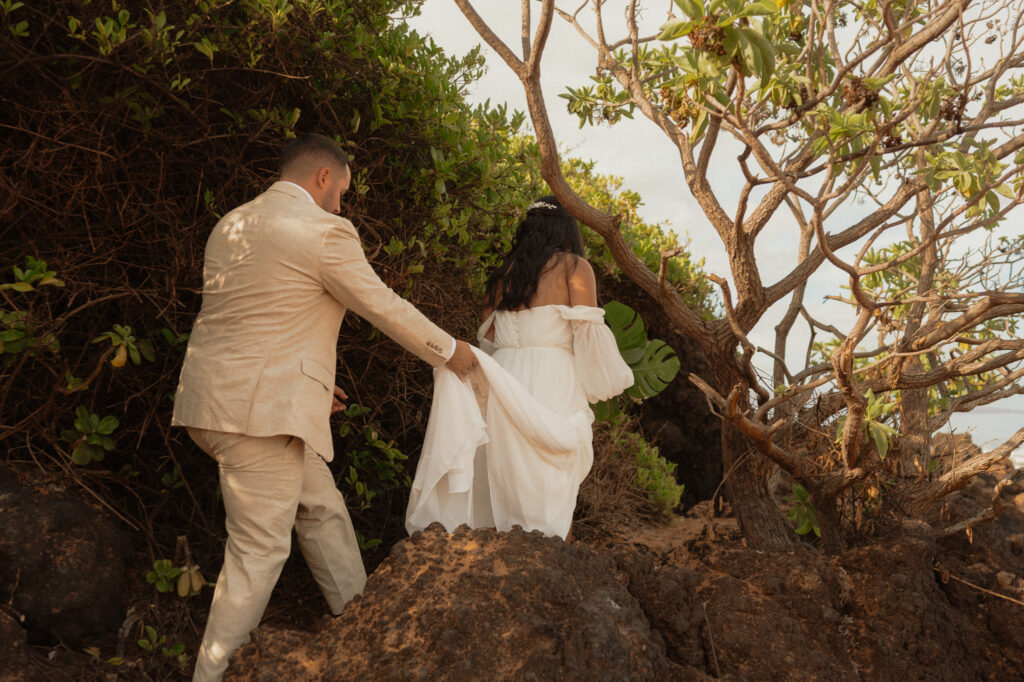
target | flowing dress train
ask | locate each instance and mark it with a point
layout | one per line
(511, 445)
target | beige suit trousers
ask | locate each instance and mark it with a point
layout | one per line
(270, 485)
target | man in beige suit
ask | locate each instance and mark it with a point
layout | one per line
(257, 385)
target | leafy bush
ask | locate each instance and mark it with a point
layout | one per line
(90, 436)
(155, 119)
(802, 511)
(164, 575)
(655, 475)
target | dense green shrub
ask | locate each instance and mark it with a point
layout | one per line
(130, 128)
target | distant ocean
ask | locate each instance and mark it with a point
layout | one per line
(991, 425)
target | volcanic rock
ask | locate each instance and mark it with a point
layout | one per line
(476, 605)
(61, 561)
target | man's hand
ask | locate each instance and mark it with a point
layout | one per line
(337, 405)
(462, 360)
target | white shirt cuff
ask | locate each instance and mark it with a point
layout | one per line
(451, 351)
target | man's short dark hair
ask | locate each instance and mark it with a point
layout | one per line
(313, 149)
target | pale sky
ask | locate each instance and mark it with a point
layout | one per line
(639, 153)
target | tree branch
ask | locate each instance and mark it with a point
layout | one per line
(485, 32)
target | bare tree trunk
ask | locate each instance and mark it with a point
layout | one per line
(828, 523)
(745, 472)
(916, 436)
(915, 433)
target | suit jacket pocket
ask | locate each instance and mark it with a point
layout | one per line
(314, 370)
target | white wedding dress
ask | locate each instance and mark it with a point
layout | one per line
(511, 444)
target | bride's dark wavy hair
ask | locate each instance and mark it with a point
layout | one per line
(546, 230)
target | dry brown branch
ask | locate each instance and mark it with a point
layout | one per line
(995, 509)
(748, 348)
(726, 408)
(987, 395)
(945, 574)
(666, 255)
(928, 493)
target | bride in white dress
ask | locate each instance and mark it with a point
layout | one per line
(512, 444)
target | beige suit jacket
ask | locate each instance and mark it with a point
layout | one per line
(279, 274)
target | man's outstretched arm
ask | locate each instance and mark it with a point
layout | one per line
(348, 276)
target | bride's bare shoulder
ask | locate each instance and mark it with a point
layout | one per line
(567, 264)
(581, 281)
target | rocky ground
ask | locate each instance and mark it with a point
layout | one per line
(682, 601)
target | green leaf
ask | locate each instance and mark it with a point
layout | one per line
(992, 200)
(653, 362)
(606, 410)
(765, 53)
(15, 346)
(655, 371)
(880, 439)
(699, 126)
(82, 454)
(877, 83)
(730, 43)
(874, 406)
(676, 29)
(146, 349)
(628, 328)
(21, 286)
(757, 9)
(205, 48)
(691, 8)
(107, 425)
(1006, 191)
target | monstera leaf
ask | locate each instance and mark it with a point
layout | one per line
(654, 371)
(629, 331)
(653, 361)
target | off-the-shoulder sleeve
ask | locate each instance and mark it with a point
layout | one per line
(600, 367)
(486, 345)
